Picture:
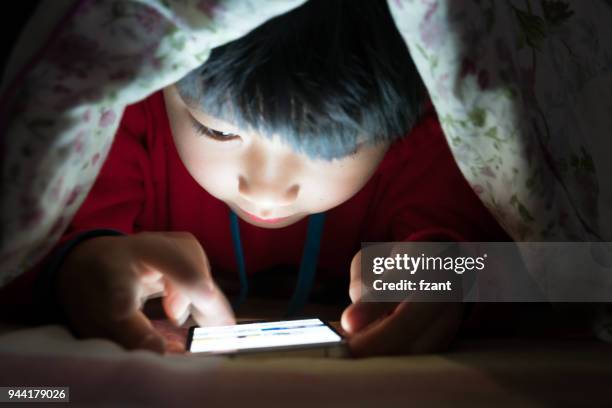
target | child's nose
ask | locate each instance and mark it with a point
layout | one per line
(267, 194)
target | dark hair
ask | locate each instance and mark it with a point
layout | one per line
(319, 76)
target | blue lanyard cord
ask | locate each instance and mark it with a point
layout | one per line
(308, 264)
(244, 282)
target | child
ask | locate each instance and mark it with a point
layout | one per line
(288, 147)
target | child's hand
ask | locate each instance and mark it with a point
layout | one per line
(104, 281)
(397, 328)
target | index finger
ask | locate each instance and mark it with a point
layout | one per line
(212, 308)
(180, 257)
(177, 255)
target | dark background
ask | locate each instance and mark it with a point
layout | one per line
(15, 17)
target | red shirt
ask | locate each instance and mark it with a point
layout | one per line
(417, 193)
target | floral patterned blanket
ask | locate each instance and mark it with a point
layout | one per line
(523, 90)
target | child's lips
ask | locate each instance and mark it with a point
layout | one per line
(264, 220)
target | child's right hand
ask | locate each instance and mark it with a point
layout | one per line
(408, 327)
(104, 281)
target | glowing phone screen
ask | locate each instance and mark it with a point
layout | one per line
(261, 335)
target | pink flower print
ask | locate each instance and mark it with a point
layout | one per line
(209, 7)
(73, 195)
(149, 19)
(107, 118)
(486, 171)
(79, 142)
(95, 159)
(56, 189)
(478, 189)
(431, 9)
(432, 33)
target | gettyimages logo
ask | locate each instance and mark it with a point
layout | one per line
(412, 264)
(487, 271)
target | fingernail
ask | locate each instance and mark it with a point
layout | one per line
(179, 321)
(154, 343)
(175, 347)
(345, 323)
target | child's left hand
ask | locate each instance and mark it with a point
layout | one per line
(382, 328)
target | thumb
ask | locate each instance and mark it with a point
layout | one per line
(355, 285)
(210, 307)
(359, 315)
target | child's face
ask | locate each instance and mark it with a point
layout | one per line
(264, 181)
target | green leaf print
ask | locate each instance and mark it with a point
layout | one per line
(556, 12)
(532, 27)
(582, 162)
(478, 117)
(522, 210)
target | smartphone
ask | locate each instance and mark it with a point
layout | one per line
(304, 337)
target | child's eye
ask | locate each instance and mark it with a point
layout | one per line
(213, 134)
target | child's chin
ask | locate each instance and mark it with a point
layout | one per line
(270, 224)
(282, 223)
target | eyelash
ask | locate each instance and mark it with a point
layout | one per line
(221, 137)
(213, 134)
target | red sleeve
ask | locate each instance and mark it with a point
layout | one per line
(425, 196)
(114, 203)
